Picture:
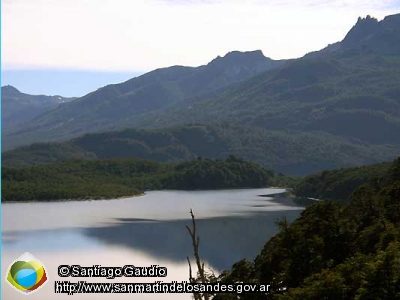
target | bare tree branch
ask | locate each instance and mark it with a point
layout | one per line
(200, 266)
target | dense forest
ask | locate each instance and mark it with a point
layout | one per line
(94, 179)
(333, 251)
(339, 184)
(288, 152)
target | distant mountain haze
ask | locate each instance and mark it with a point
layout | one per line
(349, 89)
(18, 108)
(116, 105)
(344, 99)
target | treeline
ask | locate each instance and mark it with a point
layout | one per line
(94, 179)
(289, 152)
(333, 251)
(217, 174)
(339, 184)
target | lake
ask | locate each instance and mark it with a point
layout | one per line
(141, 231)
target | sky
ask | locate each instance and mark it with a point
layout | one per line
(72, 47)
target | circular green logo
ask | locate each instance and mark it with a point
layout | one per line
(26, 274)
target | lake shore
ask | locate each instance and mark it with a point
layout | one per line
(75, 199)
(286, 192)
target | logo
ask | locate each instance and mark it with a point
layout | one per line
(26, 274)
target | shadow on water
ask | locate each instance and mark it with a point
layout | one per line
(223, 240)
(232, 225)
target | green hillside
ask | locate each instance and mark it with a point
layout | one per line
(82, 179)
(18, 108)
(349, 89)
(338, 107)
(352, 97)
(116, 105)
(333, 251)
(290, 152)
(339, 184)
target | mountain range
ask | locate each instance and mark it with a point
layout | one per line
(116, 105)
(346, 94)
(18, 108)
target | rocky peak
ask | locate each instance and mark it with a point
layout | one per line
(363, 28)
(240, 58)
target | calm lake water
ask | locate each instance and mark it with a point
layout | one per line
(141, 231)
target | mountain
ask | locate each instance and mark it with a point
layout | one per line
(18, 108)
(368, 36)
(294, 153)
(356, 99)
(349, 89)
(114, 106)
(333, 108)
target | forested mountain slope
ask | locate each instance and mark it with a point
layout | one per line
(82, 179)
(339, 184)
(18, 108)
(116, 105)
(337, 107)
(290, 152)
(333, 251)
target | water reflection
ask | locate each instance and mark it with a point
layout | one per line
(224, 240)
(232, 224)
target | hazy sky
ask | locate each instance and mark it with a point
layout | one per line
(41, 39)
(140, 35)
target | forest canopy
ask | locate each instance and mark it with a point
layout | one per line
(333, 251)
(93, 179)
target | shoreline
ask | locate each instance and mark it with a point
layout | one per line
(73, 200)
(137, 195)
